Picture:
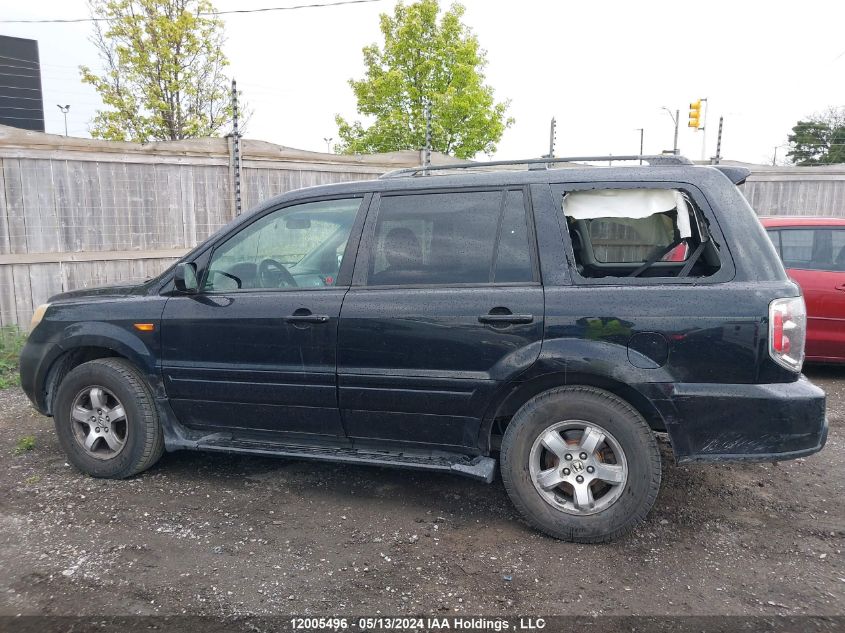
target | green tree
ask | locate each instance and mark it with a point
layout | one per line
(163, 70)
(423, 59)
(820, 140)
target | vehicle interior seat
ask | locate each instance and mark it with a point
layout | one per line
(403, 254)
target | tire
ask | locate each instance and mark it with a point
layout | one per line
(123, 441)
(615, 503)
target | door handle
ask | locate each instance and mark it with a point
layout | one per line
(307, 318)
(840, 287)
(506, 318)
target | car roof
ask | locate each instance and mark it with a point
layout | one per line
(800, 220)
(692, 174)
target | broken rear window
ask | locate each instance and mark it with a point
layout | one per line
(643, 232)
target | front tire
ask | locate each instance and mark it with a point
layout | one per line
(106, 419)
(580, 464)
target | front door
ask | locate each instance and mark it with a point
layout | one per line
(446, 306)
(255, 349)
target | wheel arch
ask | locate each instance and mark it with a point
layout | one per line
(518, 393)
(85, 345)
(69, 360)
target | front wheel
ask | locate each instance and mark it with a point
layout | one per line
(106, 419)
(580, 464)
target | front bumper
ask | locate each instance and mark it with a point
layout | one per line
(736, 422)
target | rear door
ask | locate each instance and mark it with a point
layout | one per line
(446, 305)
(815, 258)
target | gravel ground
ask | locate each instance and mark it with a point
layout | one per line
(226, 536)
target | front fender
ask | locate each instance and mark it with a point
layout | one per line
(116, 338)
(45, 349)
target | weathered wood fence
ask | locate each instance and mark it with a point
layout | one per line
(76, 213)
(808, 191)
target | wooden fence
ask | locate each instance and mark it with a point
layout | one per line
(77, 213)
(818, 191)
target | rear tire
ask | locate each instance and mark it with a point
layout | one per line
(580, 464)
(106, 419)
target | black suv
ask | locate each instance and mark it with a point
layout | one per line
(436, 318)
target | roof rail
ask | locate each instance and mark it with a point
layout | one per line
(660, 159)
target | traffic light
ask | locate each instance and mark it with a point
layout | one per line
(695, 114)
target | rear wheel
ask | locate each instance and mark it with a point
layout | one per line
(106, 419)
(580, 464)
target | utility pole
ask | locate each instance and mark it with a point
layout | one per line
(642, 132)
(704, 130)
(775, 156)
(64, 109)
(677, 119)
(718, 158)
(552, 137)
(427, 162)
(236, 149)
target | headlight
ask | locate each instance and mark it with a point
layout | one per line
(40, 311)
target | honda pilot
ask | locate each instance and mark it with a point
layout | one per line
(551, 321)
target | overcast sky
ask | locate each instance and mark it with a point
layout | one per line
(603, 69)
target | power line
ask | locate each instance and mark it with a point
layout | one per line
(211, 13)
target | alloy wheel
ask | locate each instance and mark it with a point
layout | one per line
(578, 467)
(99, 422)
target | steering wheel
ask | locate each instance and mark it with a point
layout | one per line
(273, 274)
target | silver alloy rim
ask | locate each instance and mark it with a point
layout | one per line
(99, 422)
(578, 467)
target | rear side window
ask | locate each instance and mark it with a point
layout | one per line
(638, 232)
(451, 238)
(811, 249)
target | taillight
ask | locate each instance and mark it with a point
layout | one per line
(787, 331)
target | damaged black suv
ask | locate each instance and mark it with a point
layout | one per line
(441, 318)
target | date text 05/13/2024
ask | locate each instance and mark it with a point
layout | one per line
(381, 623)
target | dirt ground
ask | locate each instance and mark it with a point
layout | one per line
(225, 536)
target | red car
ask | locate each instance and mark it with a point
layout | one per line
(813, 253)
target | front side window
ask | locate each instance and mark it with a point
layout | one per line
(642, 232)
(451, 238)
(296, 247)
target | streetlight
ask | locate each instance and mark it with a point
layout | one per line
(328, 141)
(64, 110)
(675, 118)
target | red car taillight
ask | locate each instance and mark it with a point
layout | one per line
(787, 332)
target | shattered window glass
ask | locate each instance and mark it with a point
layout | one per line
(639, 232)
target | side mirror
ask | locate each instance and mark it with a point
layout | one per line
(185, 278)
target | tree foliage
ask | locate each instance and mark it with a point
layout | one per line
(163, 70)
(820, 140)
(424, 59)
